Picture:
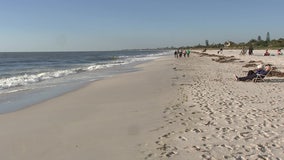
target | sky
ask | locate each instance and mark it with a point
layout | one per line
(99, 25)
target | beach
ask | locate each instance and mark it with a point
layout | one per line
(186, 108)
(217, 117)
(104, 120)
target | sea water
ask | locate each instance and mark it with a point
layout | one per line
(27, 78)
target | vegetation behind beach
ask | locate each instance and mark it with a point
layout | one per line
(255, 43)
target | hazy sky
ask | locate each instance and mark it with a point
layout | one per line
(57, 25)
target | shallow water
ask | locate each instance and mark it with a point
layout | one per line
(29, 78)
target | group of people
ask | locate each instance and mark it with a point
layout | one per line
(268, 54)
(250, 52)
(260, 71)
(244, 51)
(182, 53)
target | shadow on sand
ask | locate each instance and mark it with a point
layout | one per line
(270, 80)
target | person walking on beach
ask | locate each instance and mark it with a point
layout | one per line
(180, 53)
(187, 52)
(176, 53)
(184, 53)
(243, 51)
(253, 74)
(279, 52)
(250, 50)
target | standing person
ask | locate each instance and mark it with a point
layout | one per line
(180, 53)
(184, 53)
(243, 51)
(176, 53)
(250, 50)
(187, 52)
(279, 52)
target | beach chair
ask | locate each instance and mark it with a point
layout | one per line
(261, 77)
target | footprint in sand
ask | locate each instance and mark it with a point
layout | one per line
(197, 130)
(150, 155)
(170, 154)
(261, 148)
(167, 135)
(182, 138)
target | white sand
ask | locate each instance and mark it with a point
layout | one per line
(188, 108)
(217, 117)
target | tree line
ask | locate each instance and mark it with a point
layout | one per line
(255, 43)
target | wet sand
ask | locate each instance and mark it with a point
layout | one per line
(107, 119)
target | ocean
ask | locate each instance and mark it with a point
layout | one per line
(27, 78)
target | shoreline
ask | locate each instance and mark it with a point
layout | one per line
(170, 109)
(56, 76)
(107, 119)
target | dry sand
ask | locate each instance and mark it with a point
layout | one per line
(188, 108)
(217, 117)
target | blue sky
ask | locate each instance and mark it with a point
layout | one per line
(72, 25)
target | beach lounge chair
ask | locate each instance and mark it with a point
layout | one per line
(261, 77)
